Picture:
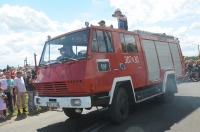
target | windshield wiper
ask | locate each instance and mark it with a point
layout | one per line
(50, 63)
(54, 62)
(68, 59)
(44, 64)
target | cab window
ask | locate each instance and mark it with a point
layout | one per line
(123, 43)
(102, 41)
(128, 43)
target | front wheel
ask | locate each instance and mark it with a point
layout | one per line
(119, 108)
(70, 112)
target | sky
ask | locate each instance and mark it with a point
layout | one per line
(25, 24)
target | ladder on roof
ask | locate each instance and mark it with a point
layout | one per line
(155, 34)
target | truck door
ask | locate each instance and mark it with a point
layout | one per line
(104, 60)
(130, 58)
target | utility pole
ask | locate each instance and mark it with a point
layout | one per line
(198, 51)
(35, 60)
(25, 62)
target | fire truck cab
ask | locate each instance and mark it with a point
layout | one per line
(102, 66)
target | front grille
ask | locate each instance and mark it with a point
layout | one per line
(52, 88)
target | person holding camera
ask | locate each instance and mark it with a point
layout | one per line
(122, 19)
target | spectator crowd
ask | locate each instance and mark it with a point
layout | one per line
(15, 84)
(192, 71)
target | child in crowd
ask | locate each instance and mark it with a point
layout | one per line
(9, 92)
(2, 103)
(3, 86)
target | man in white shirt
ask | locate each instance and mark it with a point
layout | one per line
(20, 90)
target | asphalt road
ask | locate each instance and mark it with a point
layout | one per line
(182, 115)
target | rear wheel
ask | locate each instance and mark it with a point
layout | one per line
(119, 108)
(70, 112)
(168, 96)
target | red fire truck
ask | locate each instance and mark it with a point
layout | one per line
(112, 68)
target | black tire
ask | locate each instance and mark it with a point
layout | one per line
(70, 112)
(119, 109)
(168, 96)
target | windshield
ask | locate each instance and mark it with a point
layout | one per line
(70, 47)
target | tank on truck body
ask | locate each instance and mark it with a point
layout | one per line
(99, 66)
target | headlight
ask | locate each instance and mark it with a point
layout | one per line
(75, 102)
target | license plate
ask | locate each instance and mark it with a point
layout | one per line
(52, 104)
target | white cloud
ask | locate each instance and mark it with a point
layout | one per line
(177, 17)
(152, 11)
(21, 19)
(195, 25)
(24, 31)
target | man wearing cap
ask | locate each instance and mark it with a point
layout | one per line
(102, 23)
(122, 19)
(62, 53)
(66, 52)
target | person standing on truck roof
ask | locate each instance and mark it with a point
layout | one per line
(102, 23)
(122, 19)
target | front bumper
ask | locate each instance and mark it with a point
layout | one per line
(64, 102)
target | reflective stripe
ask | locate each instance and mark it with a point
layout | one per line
(119, 79)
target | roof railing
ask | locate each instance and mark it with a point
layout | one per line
(155, 34)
